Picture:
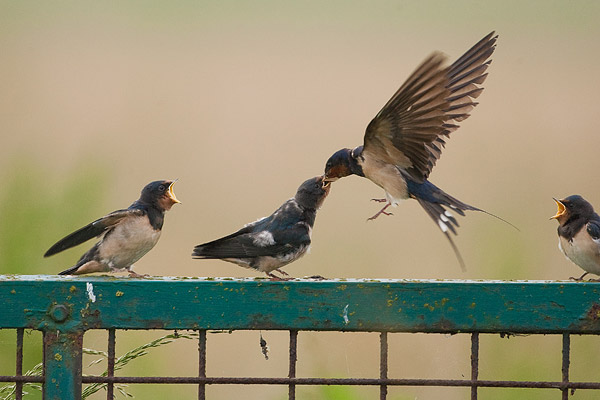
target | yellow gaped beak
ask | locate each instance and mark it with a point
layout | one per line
(561, 209)
(172, 194)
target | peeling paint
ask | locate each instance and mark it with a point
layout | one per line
(345, 314)
(90, 291)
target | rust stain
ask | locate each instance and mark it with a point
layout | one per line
(594, 312)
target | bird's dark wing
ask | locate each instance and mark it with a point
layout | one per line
(593, 228)
(410, 129)
(92, 230)
(251, 244)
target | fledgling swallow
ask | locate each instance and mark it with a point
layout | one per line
(125, 235)
(579, 233)
(405, 139)
(274, 241)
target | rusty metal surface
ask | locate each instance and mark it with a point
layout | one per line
(64, 308)
(79, 304)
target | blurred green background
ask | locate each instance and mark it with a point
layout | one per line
(243, 101)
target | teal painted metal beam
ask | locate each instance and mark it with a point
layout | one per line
(73, 304)
(62, 365)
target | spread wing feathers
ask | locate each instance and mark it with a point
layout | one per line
(593, 228)
(247, 244)
(91, 230)
(409, 130)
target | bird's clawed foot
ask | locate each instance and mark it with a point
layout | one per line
(279, 278)
(133, 274)
(382, 211)
(578, 279)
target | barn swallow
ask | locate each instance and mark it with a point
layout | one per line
(405, 139)
(579, 233)
(125, 235)
(271, 242)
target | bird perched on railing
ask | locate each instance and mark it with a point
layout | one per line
(405, 139)
(125, 235)
(271, 242)
(579, 233)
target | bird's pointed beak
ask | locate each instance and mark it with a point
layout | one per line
(561, 209)
(171, 193)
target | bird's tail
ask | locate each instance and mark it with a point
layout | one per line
(70, 270)
(436, 203)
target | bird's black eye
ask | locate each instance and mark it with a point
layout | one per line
(161, 188)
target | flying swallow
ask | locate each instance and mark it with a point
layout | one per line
(125, 235)
(405, 139)
(579, 233)
(274, 241)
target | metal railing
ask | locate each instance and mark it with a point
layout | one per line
(64, 308)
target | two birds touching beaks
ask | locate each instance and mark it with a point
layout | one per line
(401, 146)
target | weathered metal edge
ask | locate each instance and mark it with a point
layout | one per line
(70, 304)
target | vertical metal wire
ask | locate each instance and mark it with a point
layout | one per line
(202, 363)
(383, 364)
(19, 368)
(110, 386)
(566, 351)
(293, 360)
(474, 363)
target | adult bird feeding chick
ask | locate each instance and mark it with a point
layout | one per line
(579, 233)
(125, 235)
(274, 241)
(405, 139)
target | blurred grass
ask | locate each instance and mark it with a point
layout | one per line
(37, 209)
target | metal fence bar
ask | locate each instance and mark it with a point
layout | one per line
(19, 368)
(293, 360)
(63, 365)
(110, 387)
(566, 352)
(557, 385)
(474, 363)
(377, 305)
(202, 363)
(383, 364)
(23, 379)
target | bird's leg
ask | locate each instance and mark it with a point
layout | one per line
(133, 274)
(382, 211)
(276, 278)
(379, 200)
(282, 272)
(580, 278)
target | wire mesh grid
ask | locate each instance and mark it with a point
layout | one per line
(565, 386)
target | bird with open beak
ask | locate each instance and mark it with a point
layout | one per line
(579, 233)
(272, 242)
(125, 235)
(405, 139)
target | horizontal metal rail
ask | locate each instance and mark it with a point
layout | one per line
(67, 304)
